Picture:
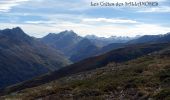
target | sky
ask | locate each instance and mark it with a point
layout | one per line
(40, 17)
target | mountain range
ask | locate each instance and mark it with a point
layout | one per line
(71, 45)
(103, 41)
(151, 38)
(77, 48)
(68, 66)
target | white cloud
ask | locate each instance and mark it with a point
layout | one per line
(6, 5)
(165, 9)
(40, 22)
(122, 30)
(109, 20)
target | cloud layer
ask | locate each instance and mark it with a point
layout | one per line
(107, 20)
(39, 17)
(6, 5)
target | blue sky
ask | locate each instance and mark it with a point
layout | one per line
(40, 17)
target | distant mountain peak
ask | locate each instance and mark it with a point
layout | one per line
(17, 28)
(167, 34)
(16, 34)
(51, 34)
(91, 36)
(14, 31)
(68, 32)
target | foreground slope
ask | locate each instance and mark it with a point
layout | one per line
(144, 78)
(22, 57)
(118, 56)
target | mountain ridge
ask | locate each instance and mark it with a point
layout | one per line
(23, 57)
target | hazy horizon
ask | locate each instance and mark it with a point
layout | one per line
(82, 36)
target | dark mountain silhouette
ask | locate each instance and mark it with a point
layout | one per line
(23, 57)
(164, 38)
(151, 38)
(63, 41)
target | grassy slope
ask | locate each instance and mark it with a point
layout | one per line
(142, 78)
(118, 55)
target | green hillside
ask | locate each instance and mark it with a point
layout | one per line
(140, 79)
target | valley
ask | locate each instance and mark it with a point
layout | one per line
(84, 50)
(79, 69)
